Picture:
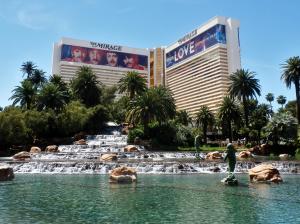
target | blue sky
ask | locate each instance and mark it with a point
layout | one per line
(269, 31)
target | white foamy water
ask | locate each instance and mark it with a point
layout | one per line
(84, 159)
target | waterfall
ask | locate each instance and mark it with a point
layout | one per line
(84, 159)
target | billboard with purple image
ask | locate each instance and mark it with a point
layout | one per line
(199, 43)
(95, 56)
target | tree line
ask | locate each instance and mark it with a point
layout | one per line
(46, 108)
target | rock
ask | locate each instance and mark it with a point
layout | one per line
(146, 156)
(265, 149)
(245, 154)
(215, 169)
(213, 155)
(123, 175)
(137, 141)
(78, 136)
(22, 155)
(52, 148)
(255, 150)
(80, 142)
(180, 167)
(108, 157)
(264, 172)
(284, 156)
(230, 180)
(35, 149)
(6, 173)
(131, 148)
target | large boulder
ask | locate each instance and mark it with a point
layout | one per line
(108, 157)
(6, 173)
(123, 175)
(80, 142)
(22, 155)
(130, 148)
(35, 149)
(213, 155)
(264, 172)
(245, 155)
(52, 148)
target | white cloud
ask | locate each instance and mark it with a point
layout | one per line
(32, 15)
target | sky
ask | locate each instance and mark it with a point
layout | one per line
(269, 32)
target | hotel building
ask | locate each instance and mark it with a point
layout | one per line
(195, 68)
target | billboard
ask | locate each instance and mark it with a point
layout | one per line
(197, 44)
(110, 58)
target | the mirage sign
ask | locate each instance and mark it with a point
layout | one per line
(214, 35)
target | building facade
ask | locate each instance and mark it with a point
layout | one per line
(195, 68)
(108, 62)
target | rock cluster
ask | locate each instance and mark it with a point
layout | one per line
(245, 155)
(263, 173)
(108, 157)
(131, 148)
(213, 155)
(22, 155)
(123, 175)
(35, 149)
(52, 148)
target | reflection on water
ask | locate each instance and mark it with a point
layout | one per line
(153, 199)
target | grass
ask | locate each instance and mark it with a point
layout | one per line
(203, 148)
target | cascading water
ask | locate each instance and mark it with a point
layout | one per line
(78, 159)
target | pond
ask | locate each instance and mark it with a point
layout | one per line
(198, 198)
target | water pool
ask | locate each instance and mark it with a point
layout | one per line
(197, 198)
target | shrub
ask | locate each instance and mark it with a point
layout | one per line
(133, 133)
(12, 127)
(98, 116)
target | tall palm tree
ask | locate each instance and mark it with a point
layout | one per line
(244, 86)
(132, 83)
(24, 94)
(155, 104)
(85, 86)
(38, 78)
(229, 112)
(27, 68)
(281, 100)
(52, 97)
(204, 118)
(291, 75)
(270, 99)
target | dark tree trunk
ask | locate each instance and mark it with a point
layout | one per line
(204, 133)
(230, 131)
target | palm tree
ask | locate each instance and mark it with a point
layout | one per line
(244, 86)
(38, 78)
(281, 100)
(51, 97)
(270, 99)
(28, 68)
(85, 86)
(155, 104)
(204, 118)
(291, 74)
(24, 94)
(132, 83)
(229, 112)
(183, 117)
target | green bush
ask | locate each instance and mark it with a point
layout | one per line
(13, 130)
(248, 145)
(164, 134)
(133, 133)
(184, 136)
(98, 116)
(297, 154)
(72, 119)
